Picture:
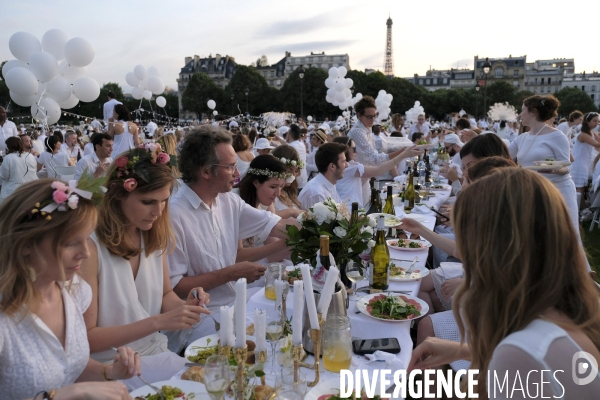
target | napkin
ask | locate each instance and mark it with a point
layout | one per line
(421, 210)
(390, 360)
(400, 179)
(450, 270)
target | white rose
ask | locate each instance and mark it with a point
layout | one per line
(372, 222)
(371, 244)
(339, 216)
(339, 231)
(321, 212)
(300, 218)
(368, 229)
(294, 163)
(73, 201)
(283, 160)
(350, 250)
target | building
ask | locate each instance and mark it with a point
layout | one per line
(274, 74)
(588, 83)
(566, 64)
(316, 60)
(462, 79)
(219, 69)
(433, 79)
(511, 70)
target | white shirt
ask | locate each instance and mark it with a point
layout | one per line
(365, 148)
(16, 170)
(311, 167)
(109, 108)
(349, 188)
(563, 127)
(88, 148)
(207, 237)
(7, 130)
(31, 357)
(89, 163)
(51, 161)
(317, 190)
(423, 128)
(96, 124)
(72, 153)
(301, 149)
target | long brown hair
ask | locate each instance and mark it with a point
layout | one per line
(289, 194)
(19, 233)
(521, 258)
(112, 222)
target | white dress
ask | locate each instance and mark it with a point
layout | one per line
(51, 161)
(32, 358)
(242, 166)
(280, 205)
(16, 170)
(583, 154)
(122, 142)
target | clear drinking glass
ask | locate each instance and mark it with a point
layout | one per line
(286, 388)
(217, 376)
(337, 343)
(274, 333)
(355, 274)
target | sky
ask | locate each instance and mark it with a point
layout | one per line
(429, 33)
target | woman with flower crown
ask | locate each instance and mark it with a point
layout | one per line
(288, 198)
(44, 226)
(132, 296)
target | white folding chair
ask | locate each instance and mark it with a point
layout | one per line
(65, 173)
(595, 205)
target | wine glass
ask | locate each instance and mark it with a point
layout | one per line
(286, 388)
(274, 333)
(217, 376)
(355, 274)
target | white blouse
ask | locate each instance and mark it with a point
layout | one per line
(31, 356)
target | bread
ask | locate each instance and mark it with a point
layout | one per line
(250, 329)
(195, 373)
(251, 358)
(263, 392)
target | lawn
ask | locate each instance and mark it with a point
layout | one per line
(591, 241)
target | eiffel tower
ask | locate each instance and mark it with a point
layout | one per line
(388, 62)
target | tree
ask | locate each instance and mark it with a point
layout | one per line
(258, 101)
(314, 92)
(500, 92)
(96, 108)
(199, 90)
(572, 99)
(4, 92)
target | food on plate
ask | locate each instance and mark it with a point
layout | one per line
(392, 221)
(203, 352)
(407, 244)
(393, 307)
(294, 275)
(168, 393)
(195, 373)
(438, 187)
(399, 272)
(263, 392)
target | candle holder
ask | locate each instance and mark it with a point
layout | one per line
(315, 337)
(240, 354)
(261, 358)
(225, 351)
(297, 357)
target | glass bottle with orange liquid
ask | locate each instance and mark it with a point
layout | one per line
(274, 271)
(337, 343)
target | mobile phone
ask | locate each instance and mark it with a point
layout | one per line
(370, 346)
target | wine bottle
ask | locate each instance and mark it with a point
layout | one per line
(324, 252)
(409, 193)
(354, 214)
(375, 206)
(388, 208)
(380, 258)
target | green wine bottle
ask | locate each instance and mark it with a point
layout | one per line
(409, 193)
(380, 258)
(354, 214)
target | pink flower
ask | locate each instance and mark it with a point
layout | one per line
(130, 184)
(163, 158)
(59, 196)
(59, 186)
(121, 162)
(141, 146)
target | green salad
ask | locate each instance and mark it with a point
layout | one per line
(169, 393)
(393, 307)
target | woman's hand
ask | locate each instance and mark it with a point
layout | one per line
(449, 287)
(410, 152)
(183, 317)
(202, 298)
(126, 364)
(411, 225)
(449, 173)
(434, 352)
(93, 391)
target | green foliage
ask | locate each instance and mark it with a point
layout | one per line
(313, 91)
(260, 94)
(572, 99)
(199, 90)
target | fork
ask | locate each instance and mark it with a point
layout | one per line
(414, 261)
(217, 324)
(157, 390)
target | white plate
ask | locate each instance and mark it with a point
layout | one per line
(375, 216)
(552, 163)
(445, 187)
(363, 302)
(330, 386)
(543, 167)
(423, 270)
(417, 217)
(424, 242)
(202, 342)
(186, 386)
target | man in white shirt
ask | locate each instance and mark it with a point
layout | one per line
(109, 106)
(97, 162)
(28, 145)
(7, 129)
(420, 126)
(331, 163)
(71, 147)
(293, 139)
(209, 220)
(318, 138)
(95, 124)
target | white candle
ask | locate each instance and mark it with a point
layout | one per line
(223, 332)
(298, 313)
(328, 290)
(240, 313)
(260, 330)
(230, 327)
(310, 297)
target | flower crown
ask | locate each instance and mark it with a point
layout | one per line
(269, 173)
(291, 163)
(66, 197)
(133, 163)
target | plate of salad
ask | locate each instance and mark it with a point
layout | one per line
(392, 307)
(408, 244)
(398, 272)
(172, 390)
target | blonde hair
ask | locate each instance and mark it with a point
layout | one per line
(20, 233)
(169, 144)
(112, 222)
(521, 258)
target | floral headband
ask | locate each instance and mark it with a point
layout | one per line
(132, 164)
(269, 173)
(291, 163)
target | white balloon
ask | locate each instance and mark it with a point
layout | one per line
(144, 84)
(331, 92)
(79, 52)
(417, 103)
(161, 101)
(137, 93)
(342, 106)
(333, 73)
(86, 89)
(359, 96)
(54, 42)
(309, 118)
(69, 103)
(156, 85)
(23, 45)
(72, 74)
(383, 116)
(47, 108)
(340, 97)
(339, 86)
(329, 82)
(13, 64)
(347, 92)
(147, 94)
(342, 71)
(349, 102)
(140, 72)
(21, 81)
(211, 104)
(153, 71)
(348, 82)
(215, 112)
(59, 89)
(335, 103)
(43, 65)
(389, 98)
(381, 93)
(131, 79)
(329, 99)
(23, 101)
(344, 114)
